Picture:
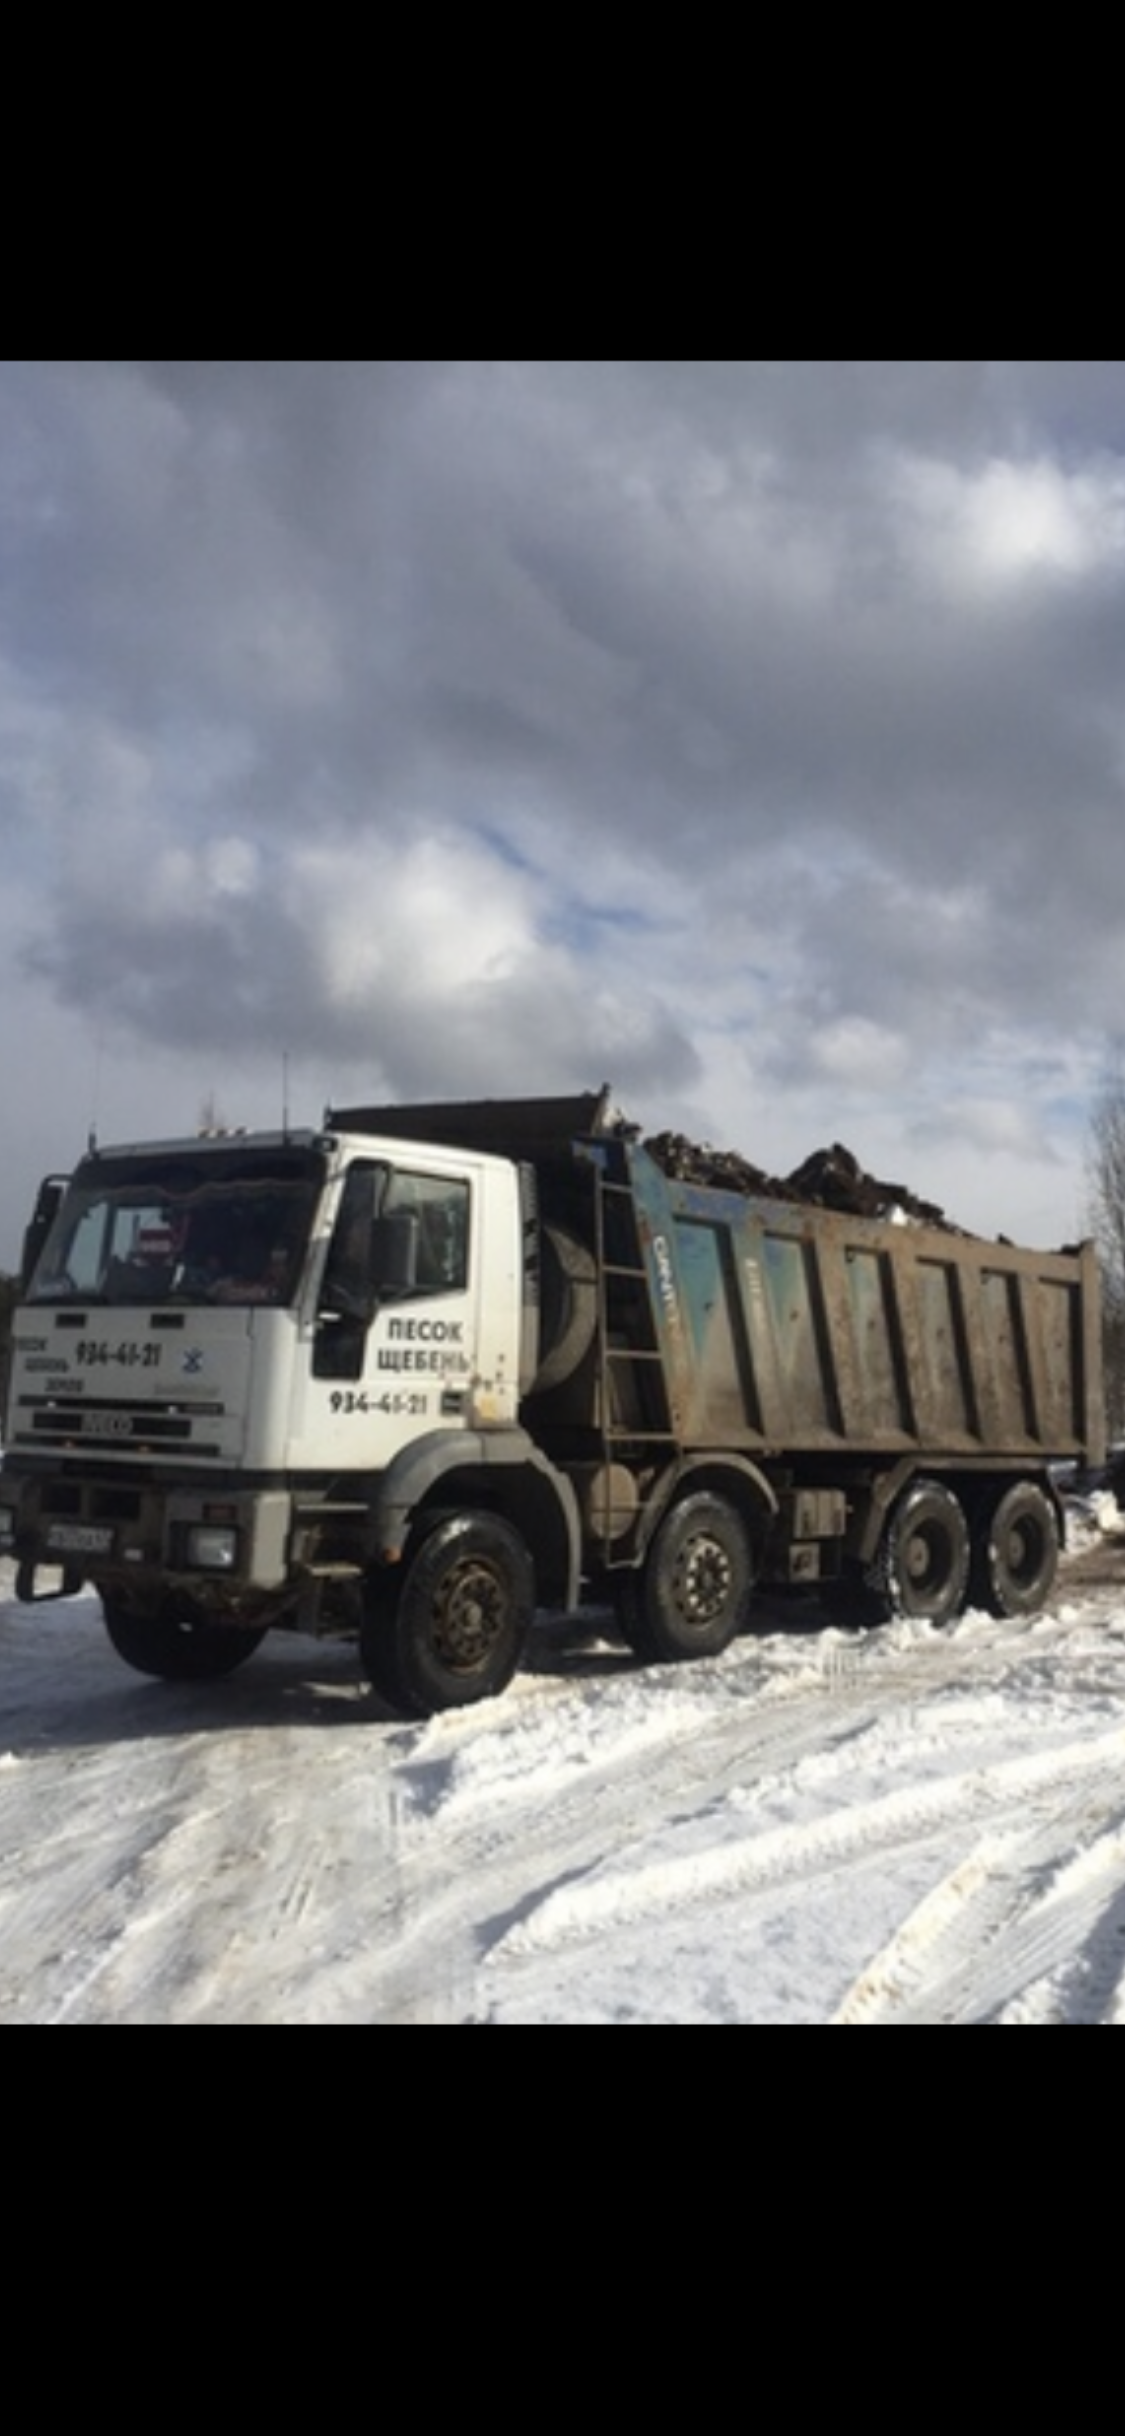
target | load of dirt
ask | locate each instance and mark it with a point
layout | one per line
(831, 1179)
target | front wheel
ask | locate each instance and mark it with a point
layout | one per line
(175, 1644)
(693, 1592)
(1017, 1552)
(456, 1630)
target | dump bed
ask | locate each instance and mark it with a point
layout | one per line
(791, 1328)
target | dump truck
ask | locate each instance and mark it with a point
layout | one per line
(425, 1372)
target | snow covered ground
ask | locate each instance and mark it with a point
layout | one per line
(878, 1827)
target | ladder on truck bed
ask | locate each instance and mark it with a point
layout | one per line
(635, 1415)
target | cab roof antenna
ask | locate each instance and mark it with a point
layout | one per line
(92, 1135)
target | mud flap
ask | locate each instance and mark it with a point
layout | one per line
(73, 1580)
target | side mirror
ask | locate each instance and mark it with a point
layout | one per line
(39, 1225)
(382, 1266)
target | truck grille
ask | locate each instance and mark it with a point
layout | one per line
(68, 1423)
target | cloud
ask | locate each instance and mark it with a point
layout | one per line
(1009, 527)
(747, 735)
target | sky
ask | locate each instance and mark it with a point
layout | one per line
(747, 735)
(862, 1829)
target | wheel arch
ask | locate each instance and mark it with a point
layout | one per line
(498, 1472)
(735, 1477)
(978, 1486)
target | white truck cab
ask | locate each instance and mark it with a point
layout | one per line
(238, 1365)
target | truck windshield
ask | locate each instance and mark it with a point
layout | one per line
(226, 1226)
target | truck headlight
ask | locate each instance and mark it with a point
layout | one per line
(212, 1546)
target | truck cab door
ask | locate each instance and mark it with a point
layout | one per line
(395, 1342)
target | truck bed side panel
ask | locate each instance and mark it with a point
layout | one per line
(790, 1328)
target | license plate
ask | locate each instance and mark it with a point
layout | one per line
(80, 1539)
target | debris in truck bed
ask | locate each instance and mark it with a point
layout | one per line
(828, 1179)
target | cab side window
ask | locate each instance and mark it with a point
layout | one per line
(441, 1206)
(352, 1287)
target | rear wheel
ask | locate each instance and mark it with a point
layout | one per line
(692, 1594)
(1016, 1556)
(456, 1629)
(176, 1644)
(921, 1566)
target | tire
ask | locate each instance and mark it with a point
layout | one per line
(1016, 1556)
(692, 1595)
(921, 1567)
(456, 1629)
(175, 1645)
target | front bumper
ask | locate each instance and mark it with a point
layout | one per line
(107, 1532)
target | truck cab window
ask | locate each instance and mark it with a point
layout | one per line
(439, 1211)
(150, 1230)
(380, 1207)
(441, 1206)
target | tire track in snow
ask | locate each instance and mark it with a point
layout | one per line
(1088, 1986)
(1017, 1904)
(471, 1862)
(256, 1871)
(468, 1849)
(545, 1876)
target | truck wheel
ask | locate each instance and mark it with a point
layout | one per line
(692, 1594)
(921, 1567)
(174, 1644)
(455, 1633)
(1016, 1556)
